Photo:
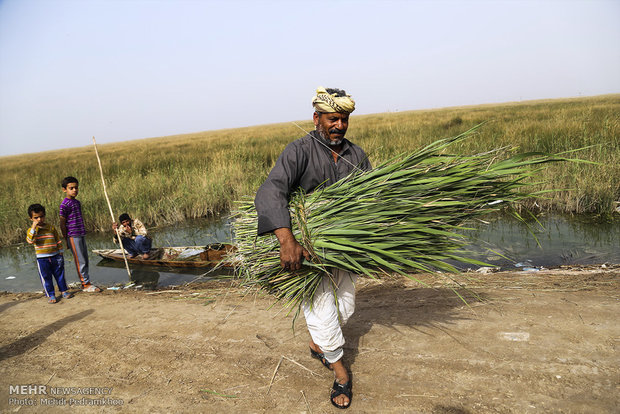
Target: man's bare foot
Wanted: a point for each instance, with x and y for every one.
(145, 256)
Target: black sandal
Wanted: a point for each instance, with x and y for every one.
(342, 389)
(321, 357)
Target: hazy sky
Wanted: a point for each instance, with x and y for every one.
(119, 70)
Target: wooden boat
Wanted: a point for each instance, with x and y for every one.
(185, 256)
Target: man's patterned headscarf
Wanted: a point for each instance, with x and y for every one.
(332, 102)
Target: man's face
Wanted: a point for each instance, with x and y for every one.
(126, 223)
(332, 126)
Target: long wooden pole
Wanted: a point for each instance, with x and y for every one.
(105, 192)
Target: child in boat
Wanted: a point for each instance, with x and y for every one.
(72, 227)
(48, 248)
(133, 235)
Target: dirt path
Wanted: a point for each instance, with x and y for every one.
(543, 342)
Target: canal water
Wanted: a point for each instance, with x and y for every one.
(552, 241)
(18, 270)
(501, 241)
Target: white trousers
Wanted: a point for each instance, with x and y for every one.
(331, 308)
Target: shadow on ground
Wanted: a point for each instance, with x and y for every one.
(39, 336)
(8, 305)
(416, 308)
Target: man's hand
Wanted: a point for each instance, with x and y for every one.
(114, 226)
(291, 252)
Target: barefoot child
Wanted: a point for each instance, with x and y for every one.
(48, 248)
(72, 227)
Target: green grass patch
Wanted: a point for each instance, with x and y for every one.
(202, 174)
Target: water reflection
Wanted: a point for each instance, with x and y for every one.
(549, 241)
(148, 279)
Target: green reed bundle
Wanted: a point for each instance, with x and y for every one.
(397, 218)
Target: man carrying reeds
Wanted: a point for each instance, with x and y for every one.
(320, 158)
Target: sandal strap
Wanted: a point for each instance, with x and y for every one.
(341, 388)
(321, 357)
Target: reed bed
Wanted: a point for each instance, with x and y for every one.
(400, 217)
(198, 175)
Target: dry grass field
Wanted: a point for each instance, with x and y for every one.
(202, 174)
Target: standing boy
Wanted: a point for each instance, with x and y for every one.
(48, 248)
(72, 227)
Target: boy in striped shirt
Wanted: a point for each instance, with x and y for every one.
(48, 248)
(72, 227)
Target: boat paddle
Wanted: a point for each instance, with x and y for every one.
(105, 192)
